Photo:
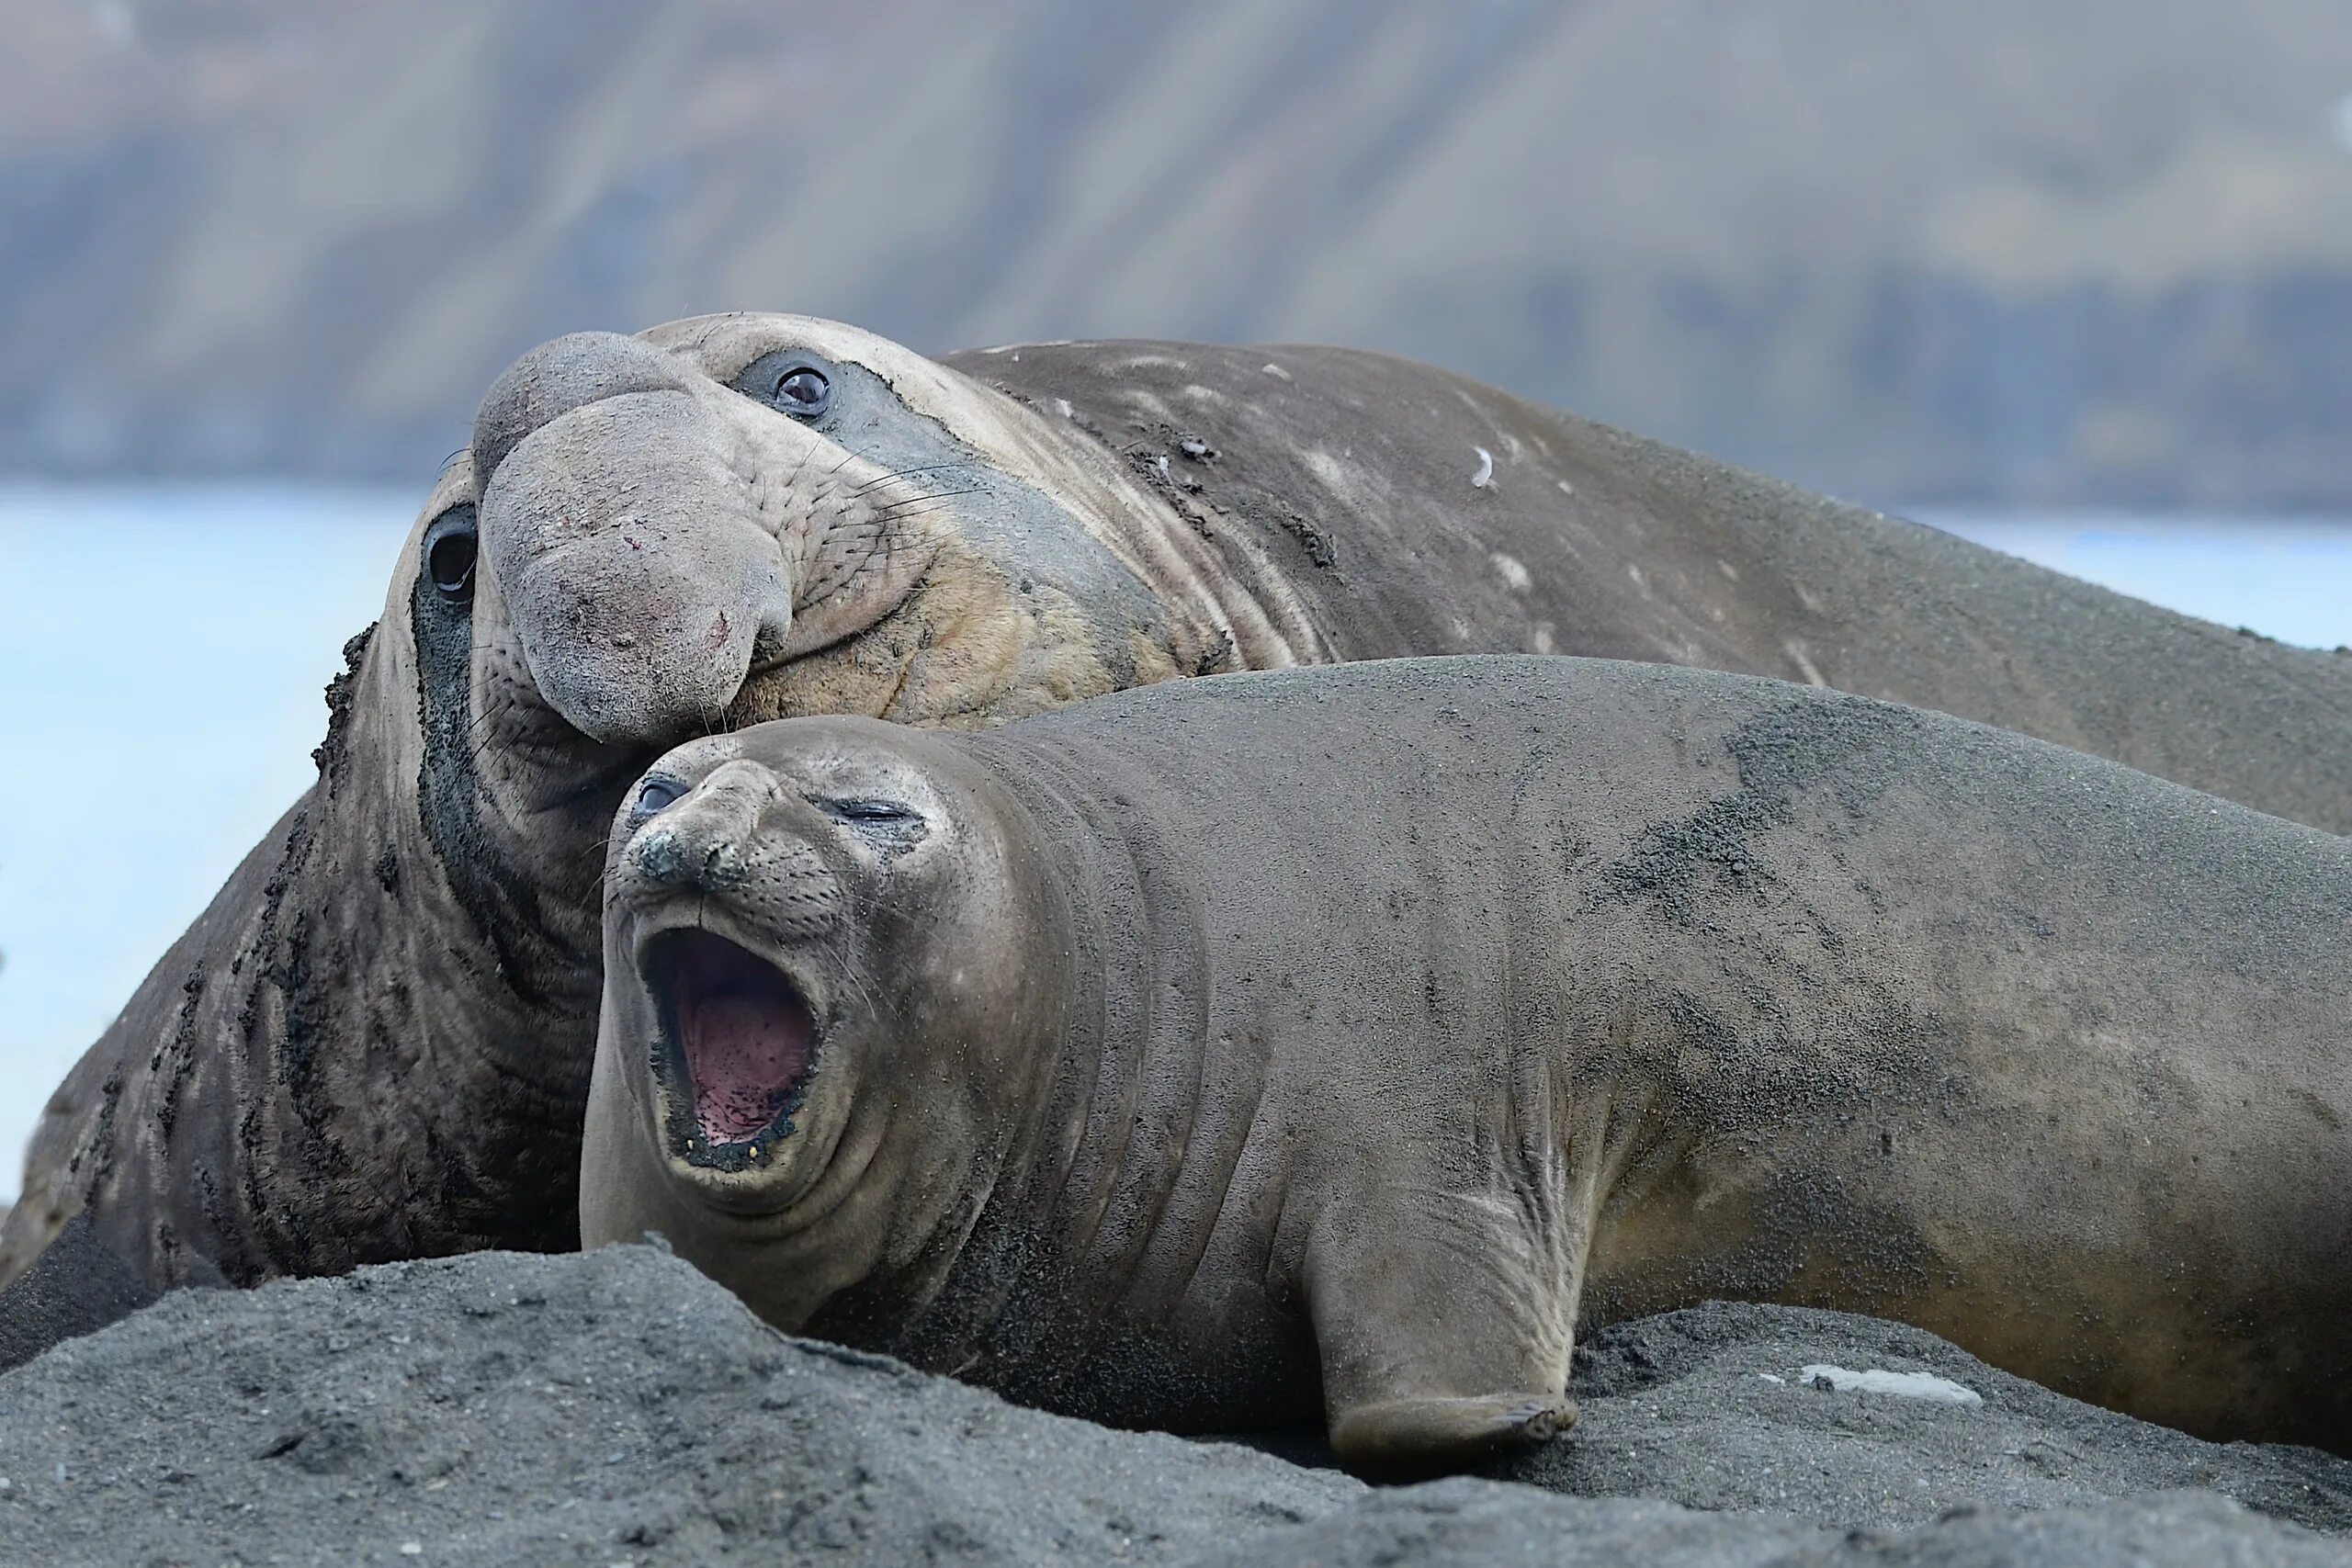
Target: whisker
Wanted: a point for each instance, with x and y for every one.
(927, 468)
(911, 509)
(889, 506)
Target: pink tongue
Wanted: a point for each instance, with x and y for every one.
(744, 1052)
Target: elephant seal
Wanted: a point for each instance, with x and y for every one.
(375, 1044)
(1363, 1031)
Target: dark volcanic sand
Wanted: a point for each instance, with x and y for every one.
(618, 1408)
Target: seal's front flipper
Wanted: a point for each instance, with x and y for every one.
(1440, 1433)
(1435, 1353)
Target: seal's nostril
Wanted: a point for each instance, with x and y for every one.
(657, 855)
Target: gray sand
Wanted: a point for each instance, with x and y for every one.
(616, 1407)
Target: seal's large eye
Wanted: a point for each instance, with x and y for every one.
(450, 548)
(658, 795)
(806, 392)
(798, 383)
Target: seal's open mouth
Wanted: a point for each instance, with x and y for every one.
(738, 1042)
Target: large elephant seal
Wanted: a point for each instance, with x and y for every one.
(375, 1044)
(1172, 1059)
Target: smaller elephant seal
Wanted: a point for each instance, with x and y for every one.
(1352, 1035)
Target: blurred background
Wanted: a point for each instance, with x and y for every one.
(2074, 277)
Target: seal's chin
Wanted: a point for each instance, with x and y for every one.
(738, 1039)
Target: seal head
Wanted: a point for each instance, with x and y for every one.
(816, 993)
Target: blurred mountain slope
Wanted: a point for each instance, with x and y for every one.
(1995, 250)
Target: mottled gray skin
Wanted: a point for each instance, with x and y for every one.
(375, 1044)
(1350, 475)
(1352, 1034)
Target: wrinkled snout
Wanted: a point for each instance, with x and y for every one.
(621, 527)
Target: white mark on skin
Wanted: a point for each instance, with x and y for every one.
(1728, 570)
(1061, 407)
(1805, 665)
(1276, 371)
(1903, 1385)
(1485, 477)
(1326, 470)
(1513, 571)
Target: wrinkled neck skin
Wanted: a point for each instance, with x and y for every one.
(427, 981)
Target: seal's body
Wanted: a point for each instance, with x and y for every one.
(1171, 1059)
(1355, 475)
(375, 1044)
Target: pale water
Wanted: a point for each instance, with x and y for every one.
(163, 654)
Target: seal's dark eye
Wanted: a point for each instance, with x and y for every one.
(655, 795)
(450, 547)
(805, 393)
(791, 379)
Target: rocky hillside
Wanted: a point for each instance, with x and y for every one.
(1953, 249)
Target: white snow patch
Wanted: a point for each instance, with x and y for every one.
(1276, 371)
(1903, 1385)
(1486, 474)
(1514, 572)
(1061, 407)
